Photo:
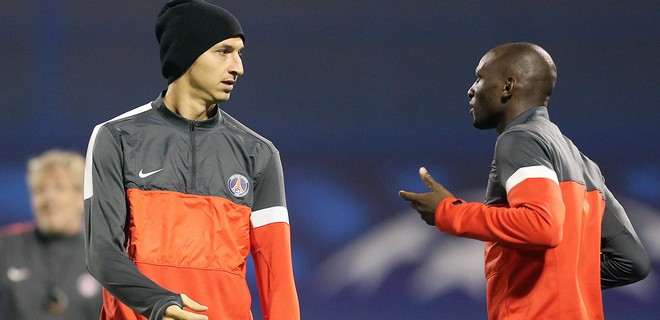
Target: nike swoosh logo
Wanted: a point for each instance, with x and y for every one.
(18, 274)
(144, 175)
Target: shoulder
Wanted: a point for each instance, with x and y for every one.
(116, 125)
(14, 235)
(17, 229)
(520, 147)
(249, 135)
(131, 115)
(518, 137)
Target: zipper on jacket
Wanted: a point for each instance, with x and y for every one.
(194, 156)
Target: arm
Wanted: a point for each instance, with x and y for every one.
(623, 259)
(533, 218)
(271, 245)
(105, 219)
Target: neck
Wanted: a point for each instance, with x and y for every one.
(513, 111)
(54, 235)
(186, 105)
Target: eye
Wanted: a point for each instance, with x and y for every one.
(240, 52)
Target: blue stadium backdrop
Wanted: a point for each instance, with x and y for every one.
(357, 95)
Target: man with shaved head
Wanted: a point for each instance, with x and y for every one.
(555, 235)
(525, 66)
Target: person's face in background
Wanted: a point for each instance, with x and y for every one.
(57, 201)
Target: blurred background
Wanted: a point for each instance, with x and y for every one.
(357, 95)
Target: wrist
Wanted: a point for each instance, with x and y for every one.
(443, 206)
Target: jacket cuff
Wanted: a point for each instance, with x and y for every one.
(158, 312)
(442, 210)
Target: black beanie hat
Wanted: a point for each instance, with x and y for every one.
(187, 28)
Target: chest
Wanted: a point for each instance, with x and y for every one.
(198, 162)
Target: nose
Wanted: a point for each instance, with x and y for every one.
(48, 194)
(470, 92)
(236, 67)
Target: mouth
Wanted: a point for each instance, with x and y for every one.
(229, 84)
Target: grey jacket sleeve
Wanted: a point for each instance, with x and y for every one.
(623, 259)
(269, 189)
(105, 222)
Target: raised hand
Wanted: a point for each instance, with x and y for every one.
(426, 203)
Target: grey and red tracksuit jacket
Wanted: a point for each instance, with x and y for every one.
(175, 206)
(555, 235)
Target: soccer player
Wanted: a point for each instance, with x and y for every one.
(555, 235)
(42, 270)
(178, 193)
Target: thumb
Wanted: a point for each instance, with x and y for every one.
(192, 304)
(428, 179)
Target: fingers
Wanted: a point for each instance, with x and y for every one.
(426, 204)
(192, 304)
(427, 178)
(173, 312)
(408, 196)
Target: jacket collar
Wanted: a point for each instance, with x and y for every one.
(180, 121)
(539, 112)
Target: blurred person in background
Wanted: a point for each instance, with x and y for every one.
(42, 269)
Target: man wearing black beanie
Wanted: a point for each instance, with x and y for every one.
(178, 193)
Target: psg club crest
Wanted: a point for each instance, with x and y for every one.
(238, 185)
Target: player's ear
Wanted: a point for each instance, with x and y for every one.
(507, 89)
